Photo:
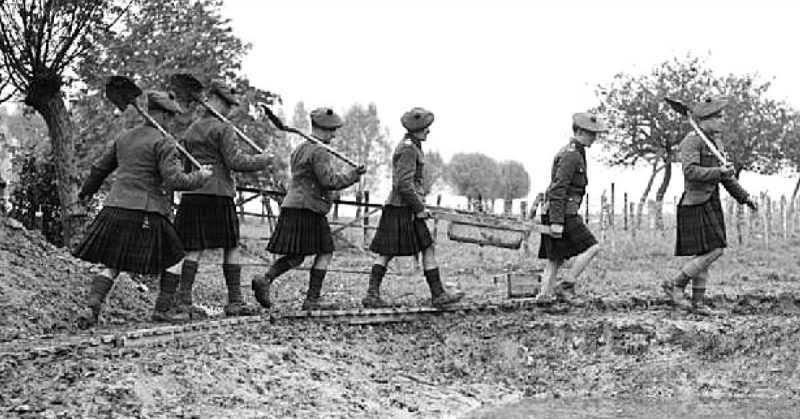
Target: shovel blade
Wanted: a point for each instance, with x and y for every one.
(272, 117)
(677, 106)
(186, 86)
(122, 91)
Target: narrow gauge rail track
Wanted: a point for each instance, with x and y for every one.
(26, 349)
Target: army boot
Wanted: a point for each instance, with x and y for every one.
(261, 285)
(184, 299)
(100, 287)
(313, 300)
(165, 310)
(673, 288)
(699, 306)
(233, 280)
(373, 298)
(440, 297)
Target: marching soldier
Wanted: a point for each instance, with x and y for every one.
(132, 232)
(206, 217)
(402, 230)
(302, 228)
(568, 237)
(701, 226)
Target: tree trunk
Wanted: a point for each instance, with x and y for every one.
(61, 131)
(662, 190)
(646, 192)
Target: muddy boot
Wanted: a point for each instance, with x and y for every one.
(440, 297)
(373, 298)
(673, 288)
(565, 290)
(233, 280)
(165, 309)
(184, 299)
(699, 306)
(100, 287)
(261, 285)
(313, 300)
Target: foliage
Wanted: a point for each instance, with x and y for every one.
(515, 183)
(37, 191)
(363, 139)
(473, 175)
(433, 171)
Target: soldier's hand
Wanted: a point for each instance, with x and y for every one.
(424, 214)
(206, 170)
(556, 230)
(361, 169)
(727, 170)
(751, 204)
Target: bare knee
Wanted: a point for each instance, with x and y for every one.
(294, 261)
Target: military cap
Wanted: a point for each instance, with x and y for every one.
(417, 119)
(221, 89)
(163, 101)
(589, 122)
(326, 118)
(708, 107)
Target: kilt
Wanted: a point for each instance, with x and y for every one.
(700, 228)
(301, 232)
(575, 240)
(207, 222)
(400, 233)
(131, 241)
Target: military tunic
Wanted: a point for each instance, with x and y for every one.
(568, 180)
(206, 217)
(399, 232)
(302, 227)
(700, 219)
(132, 232)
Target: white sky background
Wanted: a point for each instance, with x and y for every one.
(504, 77)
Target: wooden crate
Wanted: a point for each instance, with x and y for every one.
(521, 284)
(484, 235)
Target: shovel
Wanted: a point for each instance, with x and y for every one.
(187, 86)
(122, 92)
(684, 110)
(281, 126)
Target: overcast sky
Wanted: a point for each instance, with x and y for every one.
(504, 77)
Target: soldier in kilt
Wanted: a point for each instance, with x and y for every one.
(206, 217)
(402, 230)
(132, 232)
(568, 237)
(302, 228)
(700, 220)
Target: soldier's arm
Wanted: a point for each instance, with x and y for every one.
(403, 171)
(101, 168)
(567, 164)
(735, 189)
(234, 157)
(171, 169)
(327, 175)
(690, 152)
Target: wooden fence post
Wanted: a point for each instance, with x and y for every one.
(783, 218)
(625, 211)
(633, 224)
(611, 212)
(366, 220)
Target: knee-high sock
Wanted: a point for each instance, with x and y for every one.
(233, 280)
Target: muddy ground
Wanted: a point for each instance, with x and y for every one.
(614, 347)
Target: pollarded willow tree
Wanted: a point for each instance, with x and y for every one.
(40, 42)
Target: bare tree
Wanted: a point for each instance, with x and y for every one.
(40, 42)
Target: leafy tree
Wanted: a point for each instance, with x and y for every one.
(40, 42)
(514, 180)
(363, 139)
(474, 175)
(432, 171)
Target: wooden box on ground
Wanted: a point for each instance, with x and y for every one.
(521, 284)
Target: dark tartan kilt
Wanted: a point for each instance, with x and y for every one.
(574, 241)
(299, 232)
(400, 233)
(701, 228)
(207, 222)
(131, 241)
